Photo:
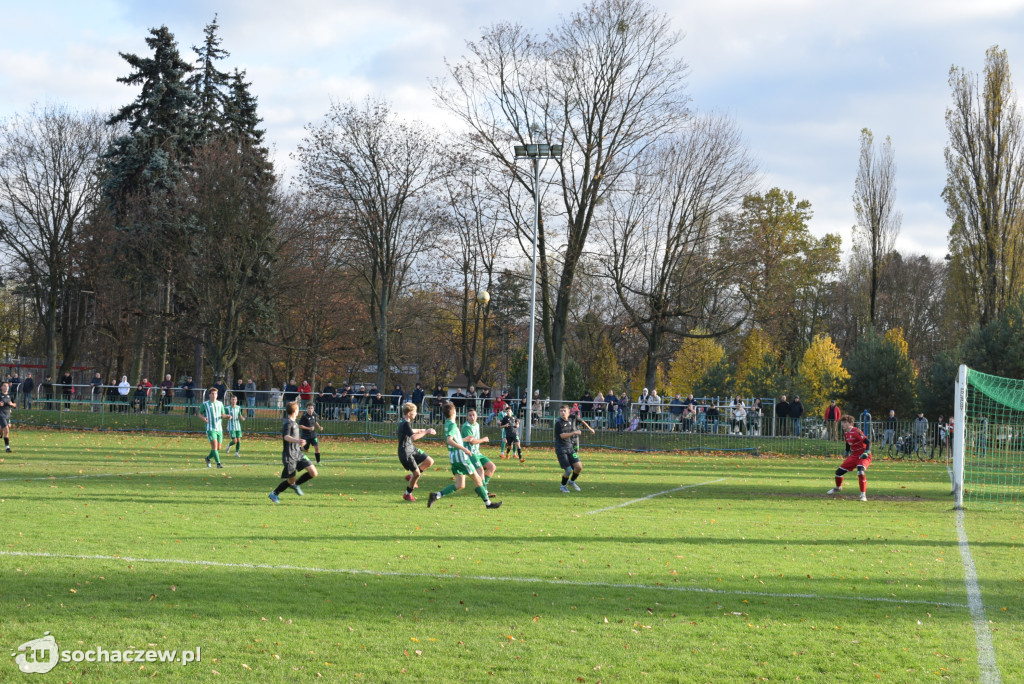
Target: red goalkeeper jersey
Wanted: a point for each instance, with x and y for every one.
(857, 442)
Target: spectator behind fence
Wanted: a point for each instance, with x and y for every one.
(643, 404)
(739, 416)
(239, 391)
(417, 398)
(940, 437)
(250, 396)
(124, 388)
(675, 410)
(188, 394)
(865, 423)
(832, 416)
(782, 417)
(222, 389)
(920, 430)
(27, 385)
(67, 388)
(305, 391)
(891, 425)
(166, 394)
(655, 403)
(796, 414)
(754, 414)
(47, 388)
(112, 396)
(291, 391)
(714, 417)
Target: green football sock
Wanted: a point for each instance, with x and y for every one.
(482, 493)
(238, 446)
(215, 455)
(447, 491)
(487, 480)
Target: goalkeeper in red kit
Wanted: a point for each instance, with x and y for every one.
(858, 457)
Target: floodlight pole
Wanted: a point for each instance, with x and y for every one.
(534, 152)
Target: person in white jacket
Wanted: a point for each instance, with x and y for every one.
(124, 388)
(739, 415)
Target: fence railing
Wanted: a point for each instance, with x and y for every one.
(710, 428)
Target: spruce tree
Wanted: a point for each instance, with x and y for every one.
(210, 85)
(160, 127)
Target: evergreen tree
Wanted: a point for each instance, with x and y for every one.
(882, 376)
(210, 85)
(160, 127)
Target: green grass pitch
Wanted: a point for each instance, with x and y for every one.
(665, 568)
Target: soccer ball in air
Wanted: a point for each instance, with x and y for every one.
(483, 297)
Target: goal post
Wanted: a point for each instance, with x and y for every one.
(959, 428)
(988, 439)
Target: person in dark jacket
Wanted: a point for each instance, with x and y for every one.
(27, 385)
(796, 415)
(782, 417)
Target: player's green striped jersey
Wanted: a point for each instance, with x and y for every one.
(213, 410)
(234, 423)
(451, 429)
(472, 430)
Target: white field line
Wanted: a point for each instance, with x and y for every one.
(173, 470)
(651, 496)
(986, 652)
(480, 578)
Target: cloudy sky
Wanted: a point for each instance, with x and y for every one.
(802, 77)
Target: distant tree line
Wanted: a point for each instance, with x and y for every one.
(159, 239)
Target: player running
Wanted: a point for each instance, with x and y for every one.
(233, 414)
(6, 404)
(412, 459)
(858, 455)
(292, 458)
(308, 427)
(212, 412)
(510, 431)
(462, 462)
(471, 436)
(567, 446)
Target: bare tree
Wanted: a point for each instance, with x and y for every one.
(375, 174)
(48, 188)
(985, 188)
(874, 199)
(605, 85)
(479, 226)
(669, 249)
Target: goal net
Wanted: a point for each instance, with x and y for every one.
(988, 439)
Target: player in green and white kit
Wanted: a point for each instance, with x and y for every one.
(462, 461)
(233, 414)
(212, 412)
(471, 436)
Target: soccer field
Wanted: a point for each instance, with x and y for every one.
(665, 568)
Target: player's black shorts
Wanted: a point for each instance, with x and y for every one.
(567, 458)
(511, 437)
(4, 421)
(293, 466)
(311, 441)
(413, 463)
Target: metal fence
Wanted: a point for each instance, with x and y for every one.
(711, 426)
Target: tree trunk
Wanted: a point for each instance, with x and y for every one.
(383, 363)
(138, 350)
(197, 365)
(655, 342)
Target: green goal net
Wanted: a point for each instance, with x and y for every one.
(988, 439)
